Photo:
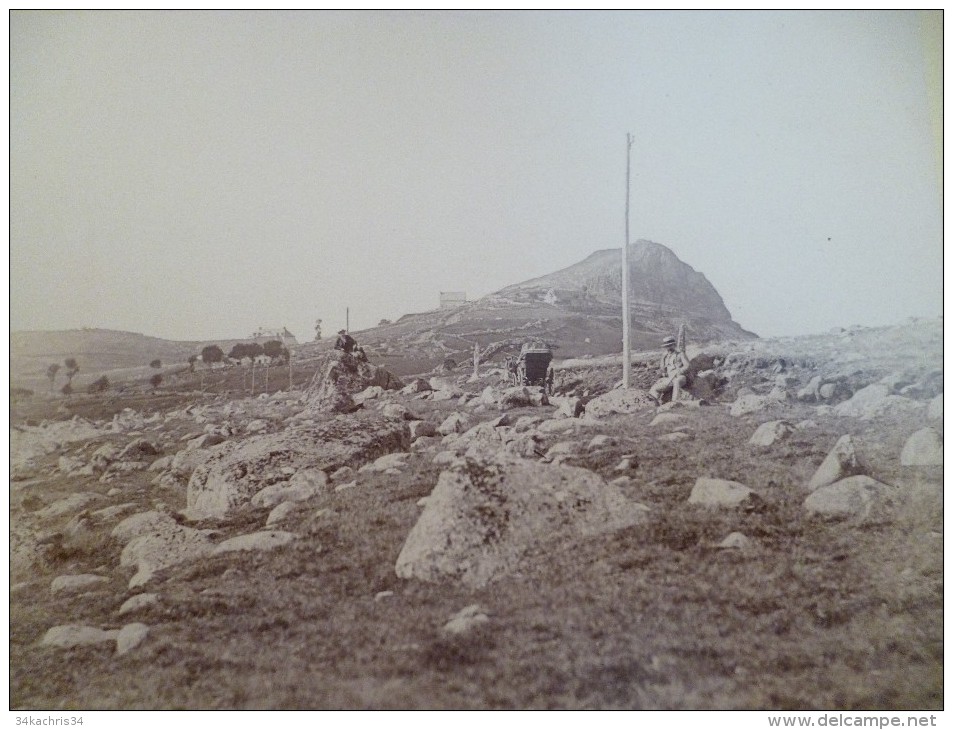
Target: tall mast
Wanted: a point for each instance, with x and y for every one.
(626, 356)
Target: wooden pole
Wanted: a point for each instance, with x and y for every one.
(626, 348)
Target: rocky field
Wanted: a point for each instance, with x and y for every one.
(449, 542)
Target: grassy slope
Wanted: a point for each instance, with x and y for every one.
(818, 615)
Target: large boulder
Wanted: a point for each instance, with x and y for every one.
(857, 497)
(923, 448)
(619, 400)
(842, 461)
(231, 478)
(487, 512)
(874, 401)
(340, 378)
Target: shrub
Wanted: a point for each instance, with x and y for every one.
(156, 380)
(99, 386)
(212, 353)
(246, 349)
(157, 363)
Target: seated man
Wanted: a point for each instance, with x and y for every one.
(344, 342)
(673, 369)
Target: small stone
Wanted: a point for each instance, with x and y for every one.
(129, 637)
(466, 620)
(69, 635)
(676, 436)
(735, 541)
(69, 584)
(709, 492)
(280, 513)
(265, 540)
(770, 432)
(139, 602)
(923, 448)
(383, 594)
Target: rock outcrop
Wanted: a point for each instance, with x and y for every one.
(228, 479)
(487, 512)
(341, 378)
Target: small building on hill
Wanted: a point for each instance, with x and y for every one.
(267, 334)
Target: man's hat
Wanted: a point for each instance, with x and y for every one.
(342, 332)
(668, 340)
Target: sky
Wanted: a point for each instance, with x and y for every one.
(197, 175)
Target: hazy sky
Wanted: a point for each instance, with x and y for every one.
(194, 175)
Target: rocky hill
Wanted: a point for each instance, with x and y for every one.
(577, 310)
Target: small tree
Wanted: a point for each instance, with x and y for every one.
(157, 363)
(67, 389)
(71, 369)
(51, 372)
(156, 380)
(384, 322)
(212, 354)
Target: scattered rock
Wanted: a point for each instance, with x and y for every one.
(280, 513)
(854, 497)
(465, 620)
(69, 635)
(265, 540)
(676, 436)
(810, 392)
(875, 401)
(342, 474)
(420, 429)
(305, 484)
(135, 450)
(397, 412)
(747, 404)
(417, 385)
(668, 419)
(70, 584)
(735, 541)
(709, 492)
(770, 432)
(619, 400)
(72, 503)
(129, 637)
(842, 461)
(454, 423)
(383, 594)
(162, 547)
(923, 448)
(397, 460)
(139, 602)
